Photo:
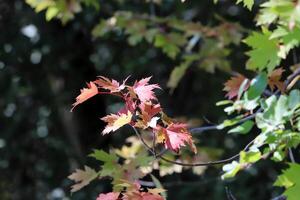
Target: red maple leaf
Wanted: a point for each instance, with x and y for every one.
(233, 85)
(109, 196)
(148, 111)
(85, 94)
(111, 85)
(130, 105)
(144, 90)
(274, 80)
(176, 136)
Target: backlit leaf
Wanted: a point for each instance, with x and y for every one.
(264, 53)
(144, 90)
(114, 122)
(85, 94)
(291, 181)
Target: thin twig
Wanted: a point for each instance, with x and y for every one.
(227, 160)
(152, 9)
(198, 130)
(143, 141)
(229, 194)
(291, 155)
(154, 143)
(188, 164)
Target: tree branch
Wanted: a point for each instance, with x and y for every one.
(201, 129)
(160, 156)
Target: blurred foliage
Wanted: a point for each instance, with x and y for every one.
(43, 64)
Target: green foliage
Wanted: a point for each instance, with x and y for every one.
(291, 181)
(257, 87)
(247, 3)
(264, 51)
(181, 38)
(288, 39)
(169, 43)
(283, 12)
(64, 10)
(243, 128)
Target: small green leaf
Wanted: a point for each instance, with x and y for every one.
(51, 13)
(250, 157)
(224, 102)
(294, 99)
(243, 128)
(257, 86)
(229, 122)
(231, 169)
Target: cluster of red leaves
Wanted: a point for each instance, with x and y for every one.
(134, 192)
(141, 110)
(233, 85)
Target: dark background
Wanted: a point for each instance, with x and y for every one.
(43, 65)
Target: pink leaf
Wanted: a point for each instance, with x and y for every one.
(85, 94)
(144, 91)
(109, 196)
(176, 136)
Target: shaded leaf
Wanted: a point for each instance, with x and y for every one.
(82, 178)
(232, 86)
(274, 80)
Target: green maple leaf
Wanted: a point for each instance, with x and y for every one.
(247, 3)
(264, 53)
(290, 179)
(289, 39)
(104, 157)
(283, 12)
(110, 166)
